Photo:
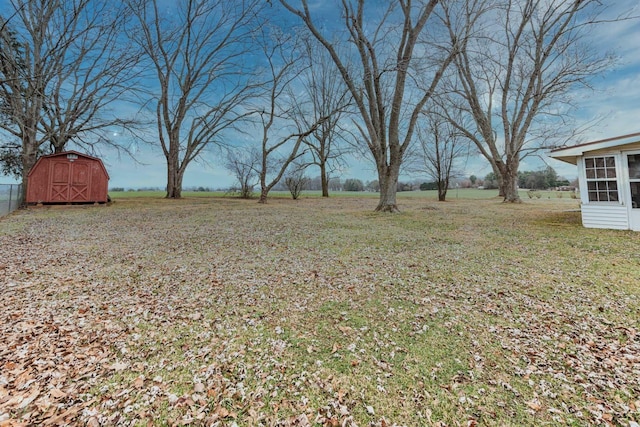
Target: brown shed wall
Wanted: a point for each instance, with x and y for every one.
(68, 177)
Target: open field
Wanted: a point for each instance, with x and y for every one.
(452, 194)
(219, 311)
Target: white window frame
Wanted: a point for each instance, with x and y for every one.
(604, 177)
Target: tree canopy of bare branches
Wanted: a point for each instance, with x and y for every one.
(329, 97)
(395, 69)
(63, 69)
(244, 165)
(441, 148)
(198, 52)
(519, 62)
(279, 109)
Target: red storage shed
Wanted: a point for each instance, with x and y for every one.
(68, 177)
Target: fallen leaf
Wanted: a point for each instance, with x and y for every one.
(345, 329)
(139, 382)
(119, 366)
(534, 404)
(34, 394)
(56, 393)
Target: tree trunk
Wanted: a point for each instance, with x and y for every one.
(324, 180)
(29, 158)
(509, 186)
(58, 144)
(264, 190)
(263, 195)
(174, 179)
(388, 189)
(499, 171)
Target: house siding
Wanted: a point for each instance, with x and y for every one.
(600, 216)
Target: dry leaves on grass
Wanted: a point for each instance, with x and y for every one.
(311, 314)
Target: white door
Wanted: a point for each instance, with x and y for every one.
(633, 194)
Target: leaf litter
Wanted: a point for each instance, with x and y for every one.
(221, 312)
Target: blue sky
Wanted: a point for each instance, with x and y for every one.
(616, 95)
(615, 99)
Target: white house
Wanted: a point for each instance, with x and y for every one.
(609, 176)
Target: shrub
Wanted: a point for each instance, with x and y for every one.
(373, 185)
(245, 192)
(295, 183)
(428, 186)
(353, 185)
(404, 186)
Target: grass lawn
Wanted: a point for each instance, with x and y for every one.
(453, 194)
(220, 311)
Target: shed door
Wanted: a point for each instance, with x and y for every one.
(70, 181)
(633, 165)
(79, 189)
(60, 174)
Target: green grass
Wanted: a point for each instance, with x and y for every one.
(452, 194)
(507, 315)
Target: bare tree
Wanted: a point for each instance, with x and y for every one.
(397, 70)
(62, 79)
(244, 165)
(198, 52)
(296, 181)
(329, 97)
(279, 111)
(11, 55)
(519, 62)
(441, 145)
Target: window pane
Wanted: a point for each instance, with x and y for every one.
(633, 161)
(635, 195)
(601, 173)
